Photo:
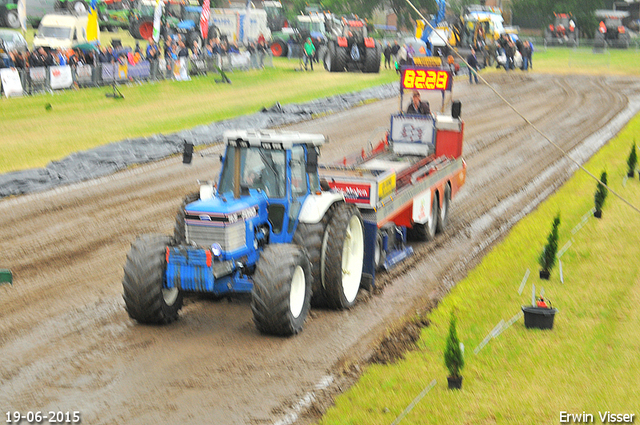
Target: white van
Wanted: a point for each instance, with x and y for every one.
(58, 31)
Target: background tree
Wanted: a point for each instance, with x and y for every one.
(548, 257)
(453, 357)
(632, 161)
(601, 194)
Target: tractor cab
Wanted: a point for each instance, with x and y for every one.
(265, 179)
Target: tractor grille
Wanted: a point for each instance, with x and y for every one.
(230, 237)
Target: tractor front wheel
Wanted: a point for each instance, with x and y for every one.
(281, 294)
(145, 297)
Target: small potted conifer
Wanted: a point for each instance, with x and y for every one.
(632, 161)
(547, 258)
(601, 195)
(454, 356)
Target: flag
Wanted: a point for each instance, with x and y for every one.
(157, 15)
(22, 15)
(92, 25)
(204, 19)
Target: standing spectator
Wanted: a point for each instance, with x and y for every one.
(472, 60)
(511, 53)
(387, 55)
(152, 50)
(531, 50)
(196, 51)
(261, 50)
(410, 54)
(395, 49)
(183, 52)
(61, 58)
(526, 54)
(309, 51)
(290, 43)
(316, 47)
(401, 57)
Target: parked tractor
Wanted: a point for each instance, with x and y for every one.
(294, 233)
(350, 48)
(563, 31)
(611, 32)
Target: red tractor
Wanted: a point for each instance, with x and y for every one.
(563, 31)
(350, 48)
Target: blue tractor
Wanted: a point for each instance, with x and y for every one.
(189, 26)
(267, 229)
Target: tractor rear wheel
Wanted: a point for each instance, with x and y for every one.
(134, 30)
(11, 19)
(443, 216)
(278, 48)
(78, 6)
(426, 231)
(145, 297)
(146, 30)
(341, 58)
(281, 294)
(311, 237)
(372, 59)
(179, 237)
(343, 256)
(329, 59)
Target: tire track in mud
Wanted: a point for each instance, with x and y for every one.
(70, 344)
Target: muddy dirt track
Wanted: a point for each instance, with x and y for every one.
(67, 344)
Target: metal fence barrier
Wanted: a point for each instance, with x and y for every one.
(39, 80)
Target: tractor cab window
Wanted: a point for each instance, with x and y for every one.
(298, 172)
(259, 169)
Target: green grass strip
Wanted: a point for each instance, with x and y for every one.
(31, 134)
(587, 363)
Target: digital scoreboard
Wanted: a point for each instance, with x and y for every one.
(413, 78)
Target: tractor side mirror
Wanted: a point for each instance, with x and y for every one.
(187, 153)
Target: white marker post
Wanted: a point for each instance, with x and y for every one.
(524, 281)
(561, 276)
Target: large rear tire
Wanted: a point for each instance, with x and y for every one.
(11, 19)
(311, 237)
(343, 257)
(281, 294)
(78, 6)
(372, 59)
(134, 30)
(427, 231)
(146, 30)
(279, 48)
(145, 298)
(443, 216)
(341, 58)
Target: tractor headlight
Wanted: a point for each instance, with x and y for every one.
(216, 249)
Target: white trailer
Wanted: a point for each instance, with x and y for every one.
(241, 25)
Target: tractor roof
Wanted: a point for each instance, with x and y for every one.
(284, 138)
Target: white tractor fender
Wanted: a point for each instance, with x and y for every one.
(316, 206)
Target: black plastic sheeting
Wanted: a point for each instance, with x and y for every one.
(108, 159)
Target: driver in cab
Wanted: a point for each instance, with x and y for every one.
(417, 107)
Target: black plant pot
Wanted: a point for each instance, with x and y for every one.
(538, 317)
(545, 274)
(454, 382)
(597, 213)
